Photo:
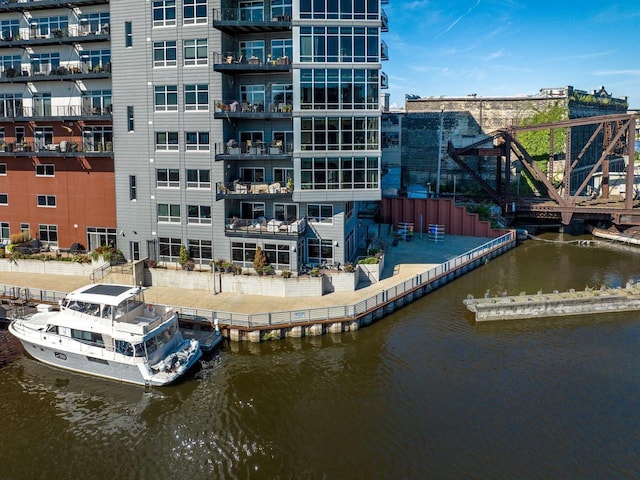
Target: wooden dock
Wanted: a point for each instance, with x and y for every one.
(540, 305)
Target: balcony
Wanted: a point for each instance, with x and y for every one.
(273, 228)
(249, 150)
(249, 20)
(236, 62)
(28, 5)
(385, 21)
(253, 190)
(384, 51)
(70, 112)
(384, 81)
(71, 35)
(65, 148)
(48, 73)
(251, 111)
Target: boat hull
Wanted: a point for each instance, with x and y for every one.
(109, 368)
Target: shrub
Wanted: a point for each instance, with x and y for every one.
(369, 261)
(260, 261)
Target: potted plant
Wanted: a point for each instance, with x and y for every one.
(290, 184)
(286, 274)
(348, 267)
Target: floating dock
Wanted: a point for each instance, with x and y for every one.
(605, 300)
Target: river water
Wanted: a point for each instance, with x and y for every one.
(423, 393)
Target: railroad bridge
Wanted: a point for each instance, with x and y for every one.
(585, 186)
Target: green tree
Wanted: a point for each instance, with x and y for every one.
(260, 262)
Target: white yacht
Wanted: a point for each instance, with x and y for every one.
(109, 331)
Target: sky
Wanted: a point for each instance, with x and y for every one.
(511, 47)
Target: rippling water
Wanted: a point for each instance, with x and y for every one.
(424, 393)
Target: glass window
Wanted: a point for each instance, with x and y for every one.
(130, 119)
(165, 53)
(195, 52)
(254, 48)
(347, 173)
(166, 98)
(4, 199)
(198, 141)
(48, 234)
(164, 13)
(168, 212)
(319, 250)
(128, 34)
(320, 213)
(133, 188)
(196, 97)
(167, 178)
(45, 170)
(195, 11)
(199, 214)
(200, 250)
(252, 11)
(166, 141)
(199, 179)
(169, 249)
(46, 200)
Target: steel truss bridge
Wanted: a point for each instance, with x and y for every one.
(614, 133)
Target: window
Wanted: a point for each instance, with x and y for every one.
(166, 98)
(133, 188)
(4, 199)
(281, 9)
(348, 209)
(168, 212)
(195, 52)
(3, 169)
(130, 122)
(200, 250)
(319, 250)
(199, 179)
(282, 48)
(197, 141)
(252, 174)
(4, 232)
(11, 103)
(41, 104)
(320, 213)
(96, 102)
(167, 178)
(282, 175)
(254, 48)
(48, 234)
(95, 60)
(9, 29)
(42, 136)
(169, 248)
(46, 200)
(281, 94)
(45, 170)
(252, 11)
(164, 13)
(128, 34)
(252, 210)
(339, 89)
(339, 133)
(165, 54)
(97, 139)
(25, 228)
(345, 9)
(277, 255)
(347, 173)
(252, 94)
(285, 212)
(167, 141)
(46, 27)
(243, 252)
(94, 23)
(196, 97)
(339, 44)
(195, 11)
(199, 214)
(44, 63)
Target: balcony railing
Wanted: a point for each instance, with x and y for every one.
(250, 20)
(384, 80)
(251, 188)
(43, 72)
(240, 63)
(64, 147)
(235, 108)
(385, 21)
(72, 32)
(384, 51)
(66, 111)
(262, 227)
(250, 148)
(19, 5)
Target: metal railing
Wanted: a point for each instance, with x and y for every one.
(276, 147)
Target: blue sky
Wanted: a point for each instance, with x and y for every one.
(511, 47)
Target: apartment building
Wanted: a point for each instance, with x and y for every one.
(57, 176)
(245, 124)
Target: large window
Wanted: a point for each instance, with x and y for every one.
(252, 210)
(165, 53)
(166, 141)
(252, 11)
(95, 60)
(10, 104)
(94, 23)
(339, 89)
(200, 250)
(339, 133)
(197, 141)
(243, 253)
(167, 178)
(48, 234)
(42, 136)
(44, 63)
(164, 13)
(281, 94)
(319, 251)
(252, 95)
(46, 200)
(9, 29)
(254, 48)
(49, 26)
(281, 9)
(168, 212)
(285, 212)
(194, 11)
(339, 44)
(199, 214)
(196, 97)
(347, 173)
(166, 98)
(282, 48)
(320, 213)
(344, 9)
(199, 179)
(96, 102)
(252, 174)
(278, 255)
(97, 139)
(169, 248)
(195, 52)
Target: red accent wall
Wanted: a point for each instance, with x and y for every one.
(84, 189)
(441, 211)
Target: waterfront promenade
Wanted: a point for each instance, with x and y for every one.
(402, 262)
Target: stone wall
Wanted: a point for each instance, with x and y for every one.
(51, 267)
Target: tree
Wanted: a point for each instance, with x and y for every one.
(260, 262)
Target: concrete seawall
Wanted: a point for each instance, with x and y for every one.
(555, 304)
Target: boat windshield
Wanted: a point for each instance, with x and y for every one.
(126, 348)
(82, 307)
(162, 338)
(128, 305)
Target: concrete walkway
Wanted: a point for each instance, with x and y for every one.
(402, 262)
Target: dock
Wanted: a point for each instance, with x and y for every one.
(543, 305)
